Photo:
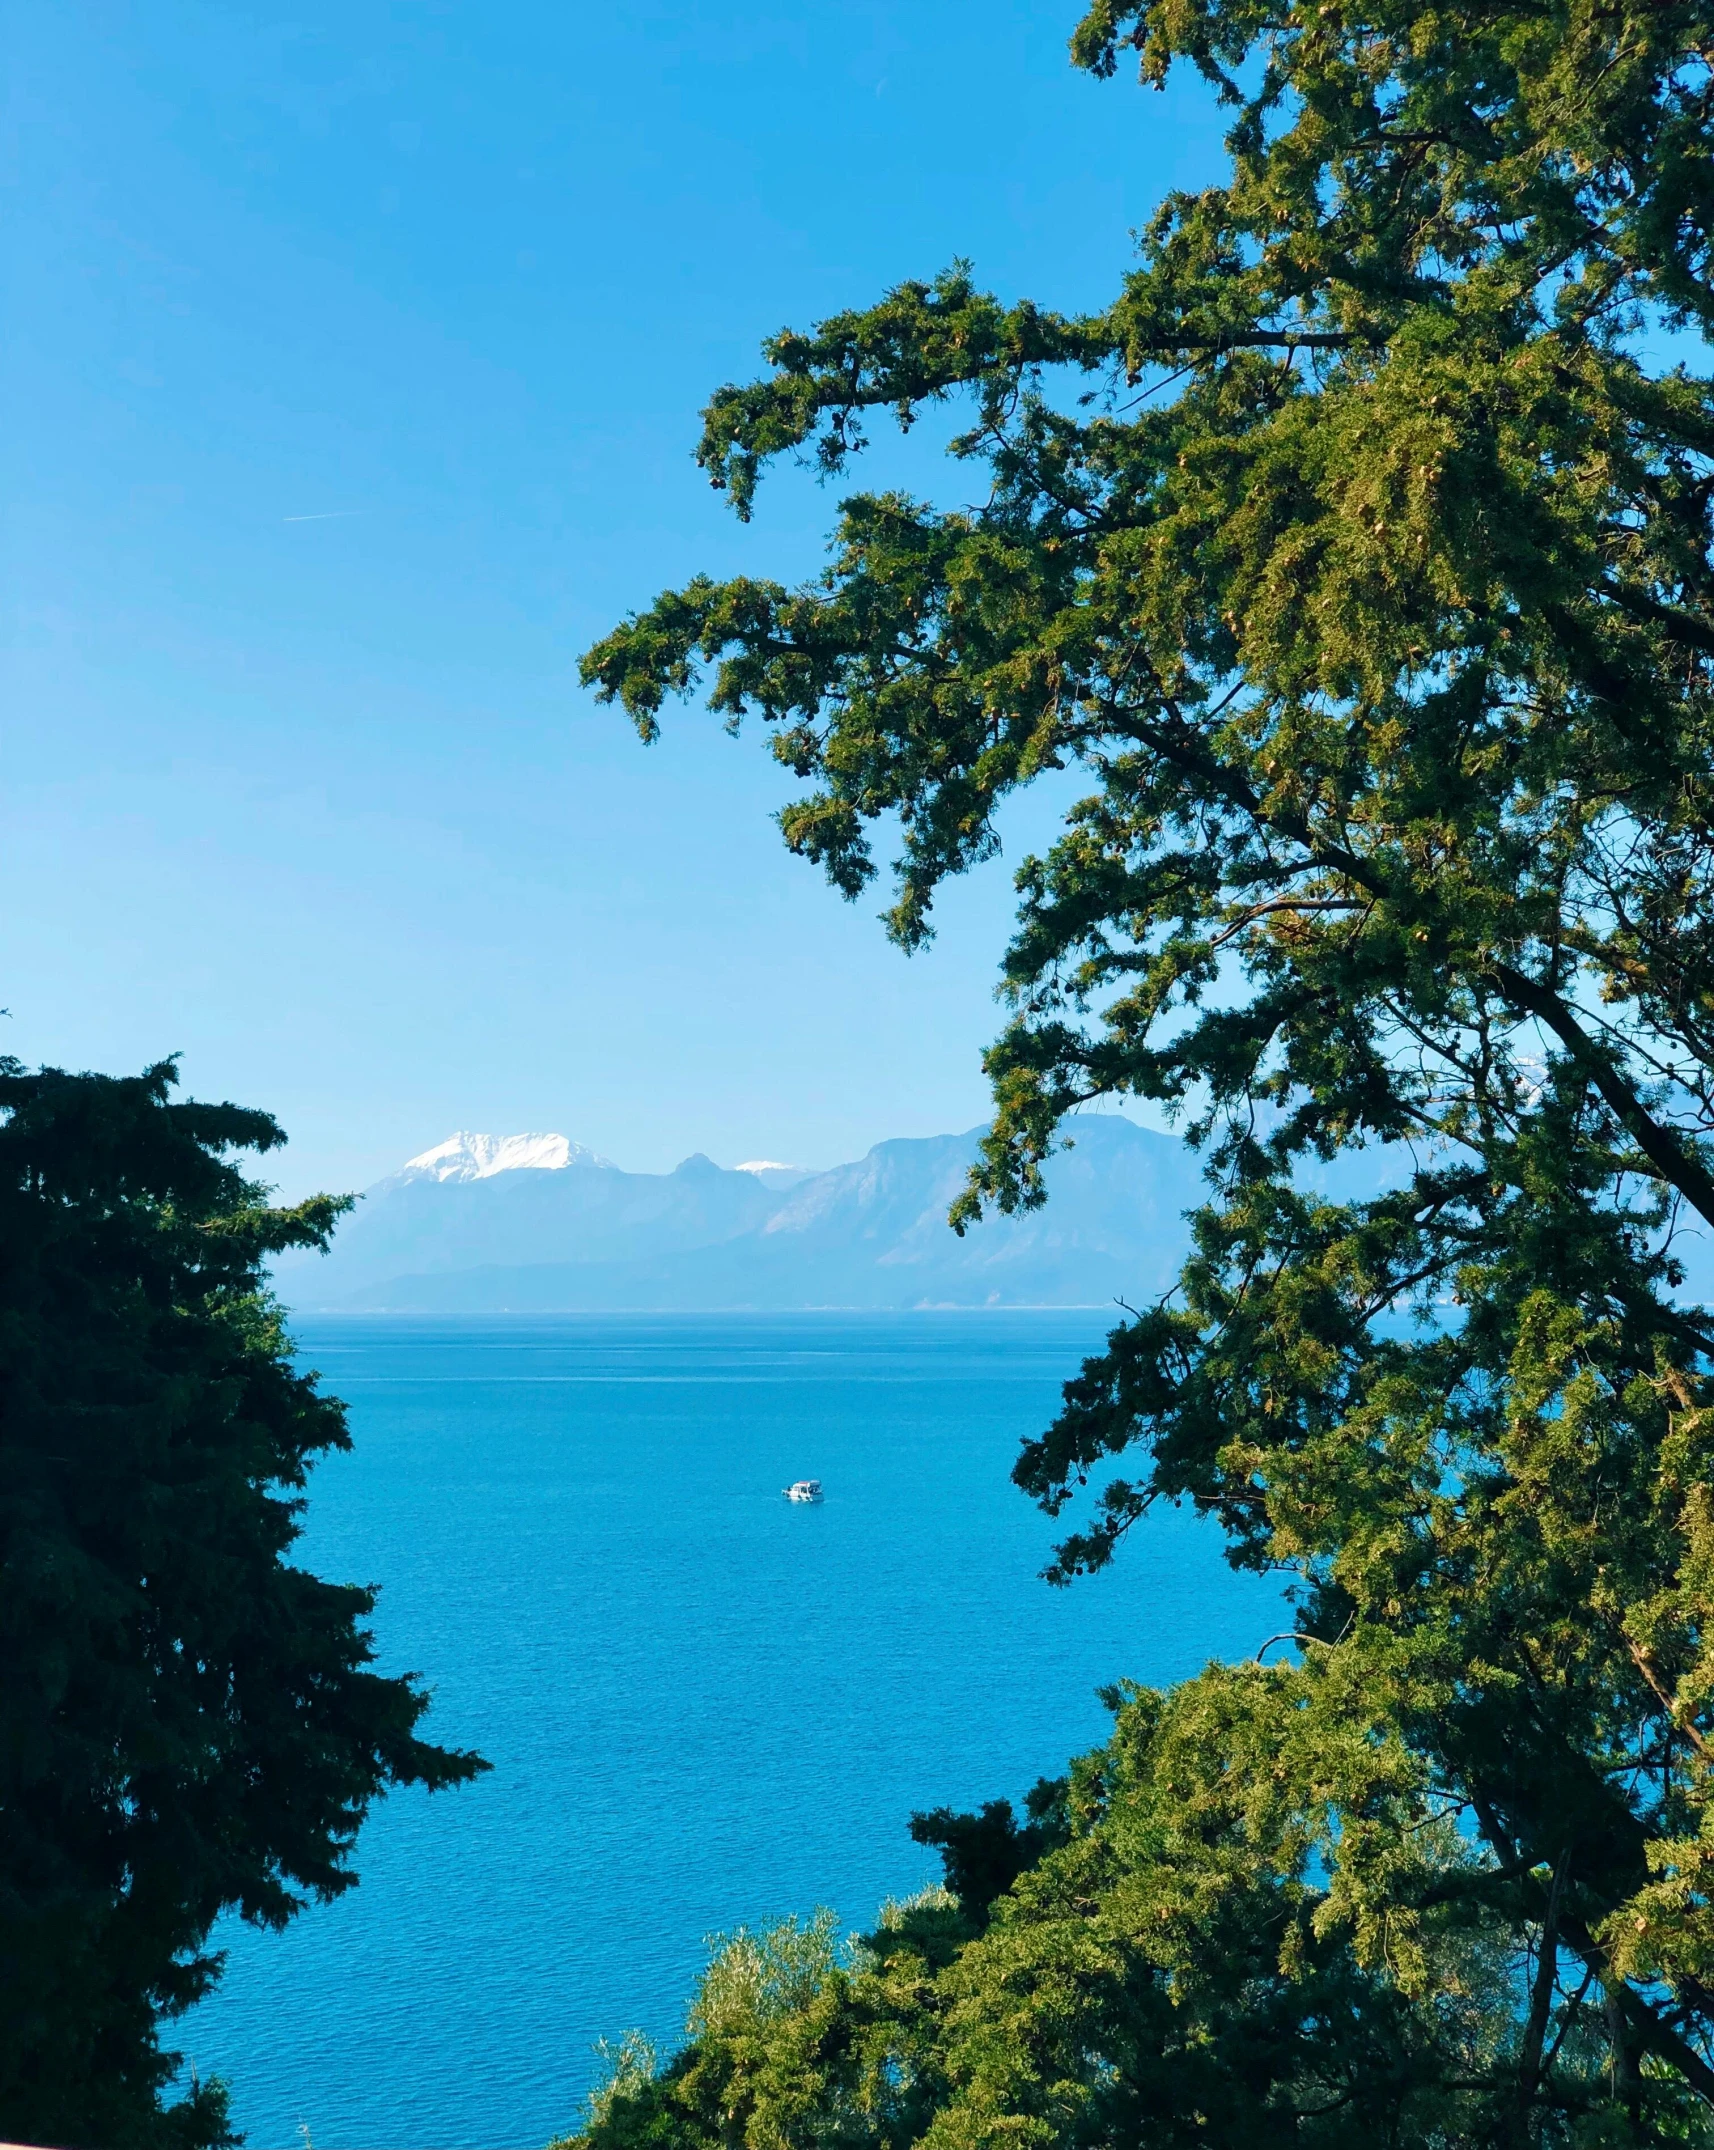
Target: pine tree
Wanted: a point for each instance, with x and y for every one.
(188, 1721)
(1358, 554)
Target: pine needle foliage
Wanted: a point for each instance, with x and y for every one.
(1358, 555)
(189, 1721)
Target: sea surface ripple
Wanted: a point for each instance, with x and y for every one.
(705, 1706)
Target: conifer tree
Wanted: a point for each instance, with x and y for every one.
(189, 1724)
(1358, 556)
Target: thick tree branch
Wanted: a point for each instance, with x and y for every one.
(1655, 2036)
(1677, 1165)
(1680, 626)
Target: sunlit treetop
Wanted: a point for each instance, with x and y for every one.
(1369, 577)
(1358, 554)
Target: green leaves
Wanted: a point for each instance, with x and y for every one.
(191, 1721)
(1363, 566)
(922, 341)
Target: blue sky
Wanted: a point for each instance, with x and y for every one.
(352, 369)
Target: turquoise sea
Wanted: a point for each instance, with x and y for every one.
(705, 1706)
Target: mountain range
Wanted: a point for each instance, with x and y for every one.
(540, 1224)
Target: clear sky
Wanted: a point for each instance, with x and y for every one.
(353, 356)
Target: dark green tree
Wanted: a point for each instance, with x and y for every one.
(188, 1721)
(1359, 555)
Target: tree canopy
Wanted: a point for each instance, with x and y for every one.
(188, 1721)
(1358, 554)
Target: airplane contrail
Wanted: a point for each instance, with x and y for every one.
(332, 515)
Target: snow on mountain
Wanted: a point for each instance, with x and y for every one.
(478, 1157)
(769, 1172)
(483, 1224)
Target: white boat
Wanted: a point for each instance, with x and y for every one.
(804, 1489)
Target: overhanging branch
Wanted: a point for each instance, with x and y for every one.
(1677, 1165)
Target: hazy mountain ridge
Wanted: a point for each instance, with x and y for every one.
(546, 1236)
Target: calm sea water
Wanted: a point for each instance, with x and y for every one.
(704, 1706)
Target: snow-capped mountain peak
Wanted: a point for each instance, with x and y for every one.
(769, 1172)
(467, 1156)
(484, 1224)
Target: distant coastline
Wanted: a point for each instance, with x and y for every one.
(537, 1224)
